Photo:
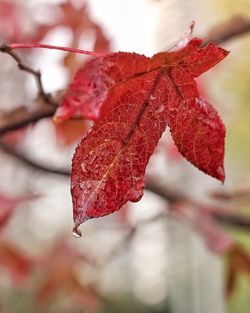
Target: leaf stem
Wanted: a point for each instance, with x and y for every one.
(44, 46)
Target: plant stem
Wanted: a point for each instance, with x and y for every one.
(44, 46)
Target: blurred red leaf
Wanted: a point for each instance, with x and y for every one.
(78, 20)
(15, 137)
(11, 14)
(71, 131)
(201, 218)
(9, 204)
(15, 261)
(215, 237)
(138, 97)
(60, 269)
(13, 17)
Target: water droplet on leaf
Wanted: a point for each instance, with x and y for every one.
(76, 232)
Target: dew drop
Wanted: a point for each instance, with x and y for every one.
(76, 232)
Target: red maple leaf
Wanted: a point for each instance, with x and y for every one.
(133, 98)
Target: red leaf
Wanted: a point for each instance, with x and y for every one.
(70, 131)
(10, 20)
(18, 264)
(59, 273)
(78, 20)
(9, 204)
(93, 82)
(13, 18)
(139, 97)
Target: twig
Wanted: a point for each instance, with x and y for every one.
(31, 163)
(23, 116)
(36, 73)
(44, 46)
(234, 27)
(233, 220)
(235, 195)
(165, 192)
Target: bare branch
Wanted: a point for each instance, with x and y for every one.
(165, 192)
(36, 73)
(234, 220)
(234, 27)
(31, 163)
(23, 116)
(234, 195)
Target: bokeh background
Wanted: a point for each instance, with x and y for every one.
(144, 258)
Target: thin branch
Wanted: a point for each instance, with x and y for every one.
(36, 73)
(165, 192)
(234, 195)
(234, 220)
(24, 116)
(10, 150)
(228, 219)
(44, 46)
(236, 26)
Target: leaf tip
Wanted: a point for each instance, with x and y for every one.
(220, 174)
